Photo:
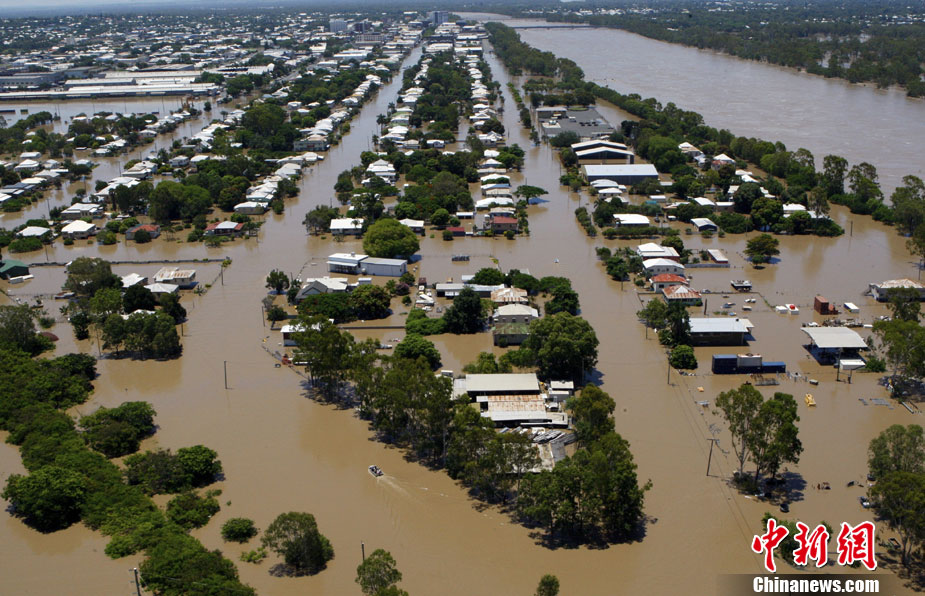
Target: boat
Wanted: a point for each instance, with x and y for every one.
(728, 304)
(810, 401)
(741, 285)
(376, 471)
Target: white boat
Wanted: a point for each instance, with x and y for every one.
(376, 471)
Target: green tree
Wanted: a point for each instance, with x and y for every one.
(678, 325)
(833, 174)
(80, 320)
(900, 500)
(549, 586)
(200, 464)
(377, 573)
(591, 414)
(905, 304)
(488, 276)
(761, 248)
(48, 499)
(370, 302)
(682, 357)
(904, 342)
(414, 346)
(565, 346)
(654, 314)
(745, 195)
(138, 297)
(105, 302)
(466, 313)
(238, 529)
(277, 281)
(189, 510)
(564, 300)
(113, 332)
(295, 537)
(85, 276)
(909, 204)
(170, 306)
(178, 565)
(389, 239)
(115, 432)
(772, 438)
(916, 244)
(897, 449)
(326, 352)
(440, 217)
(17, 330)
(528, 193)
(740, 408)
(486, 364)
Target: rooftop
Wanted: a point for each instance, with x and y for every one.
(502, 383)
(835, 338)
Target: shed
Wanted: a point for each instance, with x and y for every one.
(12, 268)
(622, 173)
(387, 267)
(719, 331)
(340, 262)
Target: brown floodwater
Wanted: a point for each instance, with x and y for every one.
(750, 98)
(282, 451)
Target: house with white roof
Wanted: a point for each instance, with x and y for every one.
(347, 226)
(78, 229)
(651, 250)
(622, 220)
(659, 266)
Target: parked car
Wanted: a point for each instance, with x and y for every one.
(865, 502)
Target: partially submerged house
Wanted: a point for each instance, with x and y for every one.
(683, 294)
(507, 399)
(321, 285)
(12, 268)
(881, 291)
(78, 229)
(719, 331)
(183, 278)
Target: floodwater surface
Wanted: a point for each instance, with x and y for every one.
(282, 451)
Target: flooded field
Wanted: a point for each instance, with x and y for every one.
(281, 451)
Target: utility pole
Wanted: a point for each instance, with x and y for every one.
(363, 550)
(137, 583)
(710, 459)
(225, 363)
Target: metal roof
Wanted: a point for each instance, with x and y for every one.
(835, 338)
(502, 383)
(720, 325)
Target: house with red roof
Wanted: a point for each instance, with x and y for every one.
(665, 280)
(683, 294)
(501, 224)
(153, 230)
(224, 228)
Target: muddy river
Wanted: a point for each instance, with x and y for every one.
(281, 451)
(826, 116)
